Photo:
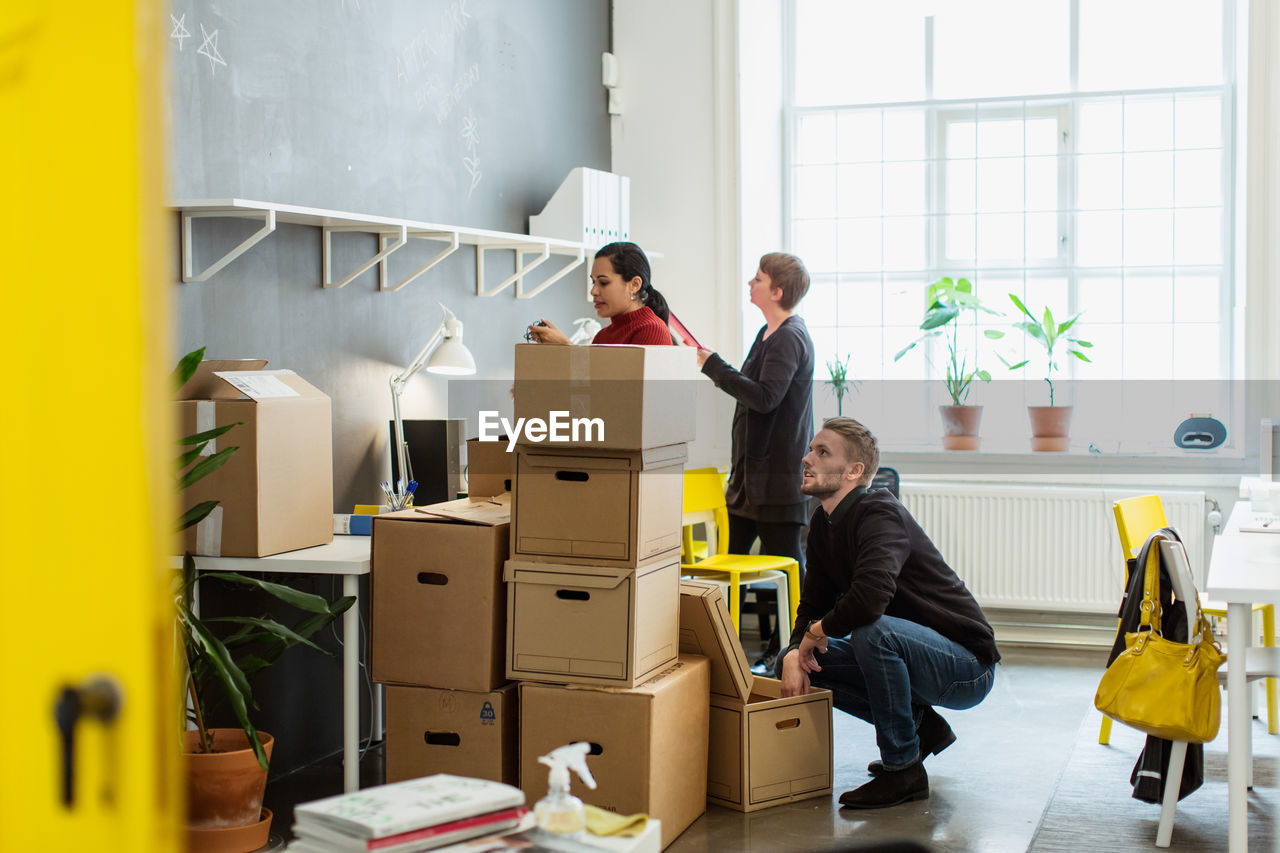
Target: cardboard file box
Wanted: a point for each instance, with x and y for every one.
(439, 602)
(490, 468)
(643, 396)
(764, 749)
(452, 731)
(592, 624)
(276, 492)
(597, 508)
(649, 743)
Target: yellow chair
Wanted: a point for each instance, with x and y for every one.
(1136, 519)
(704, 504)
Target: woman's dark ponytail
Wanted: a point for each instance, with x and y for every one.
(629, 261)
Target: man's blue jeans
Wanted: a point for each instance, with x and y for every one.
(880, 670)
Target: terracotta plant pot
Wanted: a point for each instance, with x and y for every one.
(1050, 426)
(225, 787)
(960, 427)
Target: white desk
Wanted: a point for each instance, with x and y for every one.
(1244, 568)
(347, 556)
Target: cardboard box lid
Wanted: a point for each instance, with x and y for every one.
(604, 362)
(489, 511)
(707, 629)
(556, 574)
(246, 380)
(551, 456)
(682, 667)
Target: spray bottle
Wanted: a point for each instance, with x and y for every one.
(559, 811)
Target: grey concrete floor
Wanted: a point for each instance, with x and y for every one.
(987, 791)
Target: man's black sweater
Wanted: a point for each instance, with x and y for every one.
(870, 558)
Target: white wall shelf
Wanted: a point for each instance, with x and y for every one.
(392, 235)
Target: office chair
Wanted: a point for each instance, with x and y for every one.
(886, 478)
(1136, 519)
(704, 504)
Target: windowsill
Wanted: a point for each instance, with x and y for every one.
(1101, 450)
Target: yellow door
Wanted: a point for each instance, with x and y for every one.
(86, 502)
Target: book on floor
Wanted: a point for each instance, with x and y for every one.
(402, 807)
(319, 837)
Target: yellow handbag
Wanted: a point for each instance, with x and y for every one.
(1160, 687)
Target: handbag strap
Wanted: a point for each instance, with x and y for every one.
(1150, 615)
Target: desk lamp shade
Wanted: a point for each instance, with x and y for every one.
(452, 358)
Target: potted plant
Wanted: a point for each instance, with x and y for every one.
(841, 384)
(1051, 424)
(227, 768)
(944, 302)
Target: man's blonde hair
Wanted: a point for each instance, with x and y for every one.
(861, 443)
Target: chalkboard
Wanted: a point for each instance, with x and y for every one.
(462, 112)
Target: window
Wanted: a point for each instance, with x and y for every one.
(1076, 153)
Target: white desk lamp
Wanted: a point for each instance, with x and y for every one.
(451, 359)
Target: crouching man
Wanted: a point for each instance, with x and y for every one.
(883, 622)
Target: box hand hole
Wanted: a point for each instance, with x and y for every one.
(442, 738)
(432, 578)
(573, 476)
(793, 723)
(573, 594)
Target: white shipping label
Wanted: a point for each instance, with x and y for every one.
(256, 384)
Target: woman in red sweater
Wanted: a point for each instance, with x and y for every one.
(621, 291)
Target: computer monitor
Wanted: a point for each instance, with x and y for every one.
(1269, 450)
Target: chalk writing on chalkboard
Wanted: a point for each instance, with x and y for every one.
(471, 138)
(418, 63)
(209, 48)
(179, 30)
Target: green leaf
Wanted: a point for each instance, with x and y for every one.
(234, 683)
(900, 353)
(983, 375)
(1019, 364)
(187, 367)
(195, 515)
(208, 434)
(1067, 325)
(1081, 343)
(1033, 329)
(207, 466)
(1080, 355)
(1021, 307)
(964, 286)
(301, 600)
(1047, 322)
(993, 334)
(191, 456)
(939, 317)
(270, 628)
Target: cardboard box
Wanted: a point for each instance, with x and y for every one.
(764, 749)
(439, 602)
(611, 508)
(490, 468)
(592, 624)
(641, 396)
(648, 743)
(452, 731)
(276, 492)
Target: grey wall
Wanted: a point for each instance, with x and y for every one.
(462, 112)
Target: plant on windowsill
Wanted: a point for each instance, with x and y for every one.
(227, 768)
(1051, 424)
(841, 384)
(944, 302)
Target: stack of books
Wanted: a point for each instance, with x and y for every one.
(418, 814)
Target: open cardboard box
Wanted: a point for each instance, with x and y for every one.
(452, 731)
(439, 601)
(275, 493)
(614, 508)
(649, 743)
(764, 750)
(490, 468)
(592, 624)
(643, 395)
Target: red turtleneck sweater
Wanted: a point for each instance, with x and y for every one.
(641, 326)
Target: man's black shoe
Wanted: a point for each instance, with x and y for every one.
(934, 733)
(890, 788)
(764, 666)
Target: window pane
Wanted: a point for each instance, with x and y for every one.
(815, 241)
(1148, 124)
(1042, 136)
(864, 348)
(815, 191)
(1199, 236)
(1098, 181)
(1196, 352)
(1148, 299)
(859, 244)
(816, 138)
(1197, 121)
(1101, 127)
(859, 189)
(904, 188)
(1197, 178)
(858, 135)
(860, 302)
(1000, 184)
(961, 185)
(1000, 138)
(1042, 236)
(819, 305)
(1001, 35)
(1000, 237)
(1147, 44)
(1196, 298)
(904, 135)
(860, 52)
(1148, 237)
(903, 305)
(1146, 352)
(1098, 239)
(1042, 183)
(904, 243)
(960, 237)
(962, 140)
(1108, 349)
(1047, 291)
(1148, 180)
(1100, 298)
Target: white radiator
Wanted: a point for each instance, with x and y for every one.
(1038, 547)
